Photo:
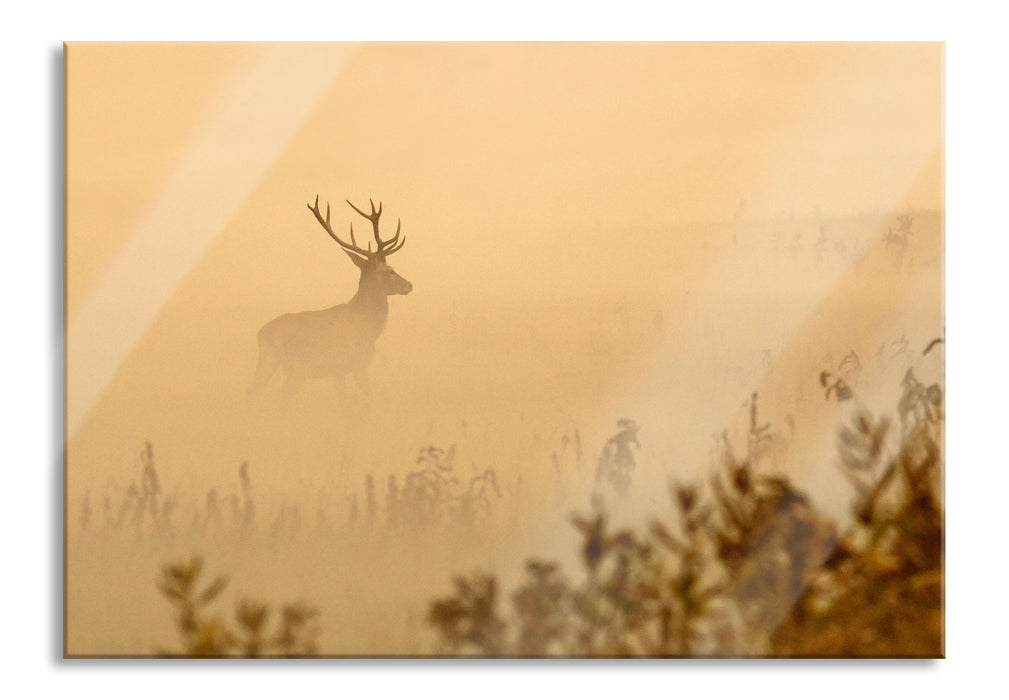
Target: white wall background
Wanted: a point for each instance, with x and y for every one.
(31, 275)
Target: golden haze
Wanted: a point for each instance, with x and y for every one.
(594, 231)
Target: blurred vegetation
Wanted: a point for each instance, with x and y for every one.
(741, 564)
(748, 566)
(617, 460)
(433, 496)
(204, 635)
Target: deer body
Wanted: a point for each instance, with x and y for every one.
(340, 340)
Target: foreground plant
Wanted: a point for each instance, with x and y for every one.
(880, 592)
(752, 568)
(204, 635)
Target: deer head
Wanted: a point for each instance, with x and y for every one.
(376, 275)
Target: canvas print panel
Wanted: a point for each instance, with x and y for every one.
(572, 350)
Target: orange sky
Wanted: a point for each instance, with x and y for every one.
(472, 144)
(512, 137)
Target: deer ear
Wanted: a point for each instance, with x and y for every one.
(357, 260)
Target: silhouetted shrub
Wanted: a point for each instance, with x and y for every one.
(204, 635)
(749, 568)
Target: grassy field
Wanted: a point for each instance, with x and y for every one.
(520, 388)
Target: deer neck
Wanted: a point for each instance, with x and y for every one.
(371, 303)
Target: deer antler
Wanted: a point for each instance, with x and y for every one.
(384, 247)
(351, 247)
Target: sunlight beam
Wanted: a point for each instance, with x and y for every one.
(252, 124)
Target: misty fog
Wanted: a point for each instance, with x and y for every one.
(594, 232)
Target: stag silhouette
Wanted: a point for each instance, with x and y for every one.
(340, 340)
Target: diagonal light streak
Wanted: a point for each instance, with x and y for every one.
(254, 121)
